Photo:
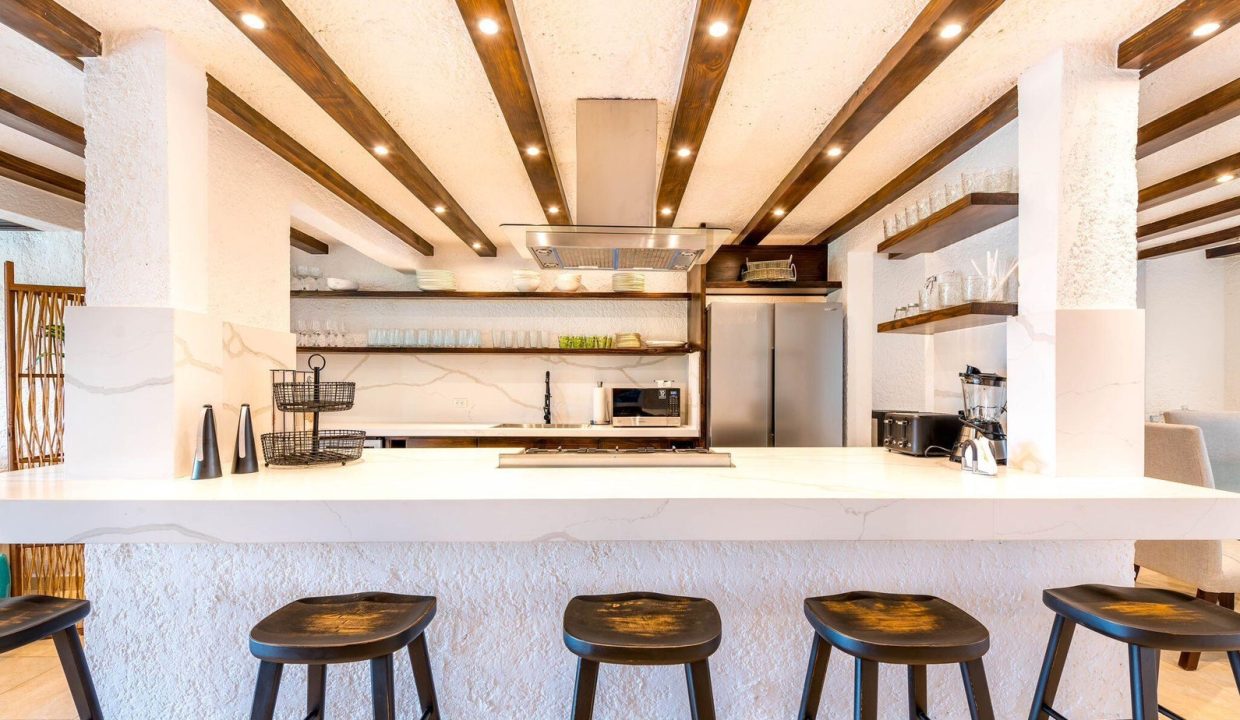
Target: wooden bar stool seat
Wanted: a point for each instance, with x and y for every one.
(1148, 620)
(322, 631)
(643, 629)
(911, 630)
(29, 618)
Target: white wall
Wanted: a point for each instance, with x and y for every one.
(46, 258)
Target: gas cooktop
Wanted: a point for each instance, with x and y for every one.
(615, 457)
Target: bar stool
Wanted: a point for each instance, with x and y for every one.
(322, 631)
(1149, 621)
(912, 630)
(642, 629)
(29, 618)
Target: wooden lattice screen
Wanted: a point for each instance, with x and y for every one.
(34, 345)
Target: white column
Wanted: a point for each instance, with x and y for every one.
(1076, 352)
(144, 356)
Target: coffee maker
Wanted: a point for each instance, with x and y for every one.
(985, 402)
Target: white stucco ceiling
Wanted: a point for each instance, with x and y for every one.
(796, 63)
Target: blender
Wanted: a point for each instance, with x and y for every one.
(985, 402)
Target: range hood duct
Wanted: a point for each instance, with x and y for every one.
(616, 183)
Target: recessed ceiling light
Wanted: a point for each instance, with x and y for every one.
(778, 212)
(477, 245)
(532, 151)
(718, 29)
(951, 31)
(488, 26)
(1225, 177)
(253, 21)
(835, 151)
(440, 209)
(381, 150)
(666, 211)
(684, 152)
(553, 210)
(1206, 29)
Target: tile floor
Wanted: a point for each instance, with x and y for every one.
(32, 686)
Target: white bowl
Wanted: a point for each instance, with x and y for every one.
(527, 284)
(341, 284)
(567, 282)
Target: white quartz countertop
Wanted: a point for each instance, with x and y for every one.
(398, 429)
(461, 495)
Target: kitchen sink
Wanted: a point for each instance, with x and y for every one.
(545, 426)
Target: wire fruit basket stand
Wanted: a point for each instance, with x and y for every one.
(769, 271)
(298, 397)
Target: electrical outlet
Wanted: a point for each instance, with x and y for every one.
(460, 403)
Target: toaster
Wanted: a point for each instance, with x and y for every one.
(921, 433)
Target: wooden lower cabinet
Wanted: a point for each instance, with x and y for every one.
(539, 442)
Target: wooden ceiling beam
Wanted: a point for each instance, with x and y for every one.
(507, 66)
(232, 108)
(717, 27)
(37, 176)
(1224, 251)
(938, 30)
(983, 125)
(1188, 220)
(1175, 33)
(306, 242)
(24, 116)
(1190, 182)
(1214, 108)
(287, 42)
(1193, 243)
(53, 27)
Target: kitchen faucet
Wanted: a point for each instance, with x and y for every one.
(547, 400)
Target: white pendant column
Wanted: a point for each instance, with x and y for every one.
(144, 356)
(1076, 352)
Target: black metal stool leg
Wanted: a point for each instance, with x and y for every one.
(917, 704)
(977, 690)
(1052, 667)
(266, 690)
(701, 699)
(865, 695)
(587, 681)
(382, 687)
(81, 686)
(316, 692)
(1234, 659)
(420, 658)
(1143, 677)
(811, 696)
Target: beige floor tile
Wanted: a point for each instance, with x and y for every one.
(42, 697)
(16, 670)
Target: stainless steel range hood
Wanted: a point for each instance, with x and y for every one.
(616, 185)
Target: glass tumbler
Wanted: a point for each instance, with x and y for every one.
(975, 288)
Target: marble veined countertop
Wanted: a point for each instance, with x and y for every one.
(401, 429)
(461, 495)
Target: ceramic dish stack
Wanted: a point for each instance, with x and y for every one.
(628, 341)
(526, 280)
(628, 282)
(436, 280)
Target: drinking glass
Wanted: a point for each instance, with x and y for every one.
(423, 338)
(900, 312)
(372, 338)
(923, 209)
(449, 338)
(910, 216)
(953, 191)
(938, 200)
(951, 289)
(475, 338)
(409, 338)
(975, 288)
(889, 227)
(901, 222)
(437, 338)
(995, 180)
(316, 331)
(506, 339)
(973, 181)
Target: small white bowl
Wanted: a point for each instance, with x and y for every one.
(568, 282)
(341, 284)
(527, 284)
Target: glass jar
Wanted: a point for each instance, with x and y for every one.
(900, 312)
(950, 288)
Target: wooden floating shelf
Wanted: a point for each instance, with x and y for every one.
(682, 350)
(962, 219)
(958, 317)
(483, 295)
(800, 287)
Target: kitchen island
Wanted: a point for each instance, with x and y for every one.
(179, 570)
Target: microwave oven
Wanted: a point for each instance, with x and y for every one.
(646, 406)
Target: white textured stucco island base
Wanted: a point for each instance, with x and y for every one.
(170, 625)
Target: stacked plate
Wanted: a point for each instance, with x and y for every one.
(436, 280)
(628, 282)
(628, 341)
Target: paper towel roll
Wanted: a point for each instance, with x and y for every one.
(599, 415)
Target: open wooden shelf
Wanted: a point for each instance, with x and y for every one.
(962, 219)
(957, 317)
(483, 295)
(800, 287)
(682, 350)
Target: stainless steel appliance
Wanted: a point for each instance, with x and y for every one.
(985, 403)
(652, 406)
(776, 374)
(630, 457)
(920, 433)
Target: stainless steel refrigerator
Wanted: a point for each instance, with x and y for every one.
(776, 374)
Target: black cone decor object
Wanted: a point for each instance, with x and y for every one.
(207, 456)
(245, 456)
